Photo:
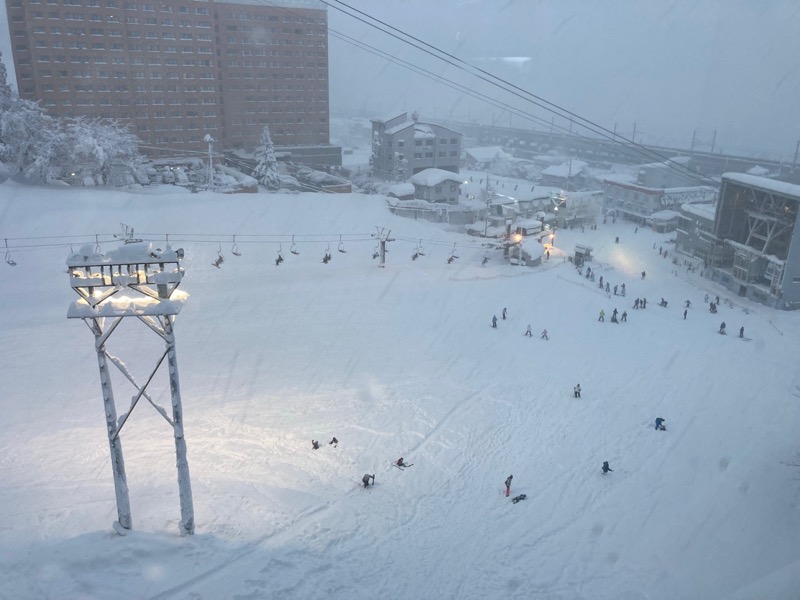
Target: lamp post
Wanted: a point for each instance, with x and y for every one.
(210, 141)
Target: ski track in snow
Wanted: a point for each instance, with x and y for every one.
(399, 361)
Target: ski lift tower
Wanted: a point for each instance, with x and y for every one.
(134, 280)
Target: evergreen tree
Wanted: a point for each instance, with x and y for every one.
(266, 171)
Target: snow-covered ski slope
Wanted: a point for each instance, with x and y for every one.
(400, 361)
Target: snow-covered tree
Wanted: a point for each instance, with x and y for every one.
(28, 137)
(400, 167)
(376, 148)
(502, 165)
(266, 171)
(92, 144)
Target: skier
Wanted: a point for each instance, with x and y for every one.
(643, 303)
(614, 314)
(644, 274)
(623, 289)
(722, 328)
(315, 444)
(508, 485)
(365, 480)
(705, 298)
(663, 303)
(601, 281)
(660, 424)
(741, 332)
(615, 290)
(528, 331)
(400, 462)
(544, 334)
(602, 315)
(334, 441)
(504, 314)
(494, 321)
(606, 468)
(636, 304)
(687, 304)
(608, 288)
(577, 391)
(717, 301)
(684, 313)
(624, 316)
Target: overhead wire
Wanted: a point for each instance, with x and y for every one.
(516, 90)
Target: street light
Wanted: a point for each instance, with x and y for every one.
(210, 141)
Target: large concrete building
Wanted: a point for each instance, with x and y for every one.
(177, 70)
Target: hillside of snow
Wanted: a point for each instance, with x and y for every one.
(394, 361)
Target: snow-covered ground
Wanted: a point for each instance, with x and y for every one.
(400, 361)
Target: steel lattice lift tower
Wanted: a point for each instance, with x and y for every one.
(134, 280)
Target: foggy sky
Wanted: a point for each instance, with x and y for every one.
(673, 68)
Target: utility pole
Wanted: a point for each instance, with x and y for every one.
(488, 200)
(796, 150)
(694, 135)
(713, 141)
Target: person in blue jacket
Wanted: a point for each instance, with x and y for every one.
(660, 424)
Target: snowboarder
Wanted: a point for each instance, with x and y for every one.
(516, 499)
(365, 480)
(606, 468)
(544, 335)
(494, 321)
(722, 328)
(663, 303)
(615, 290)
(602, 315)
(400, 462)
(577, 391)
(528, 331)
(504, 314)
(315, 444)
(334, 441)
(508, 485)
(687, 304)
(624, 316)
(660, 424)
(741, 332)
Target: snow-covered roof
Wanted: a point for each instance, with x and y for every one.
(486, 154)
(665, 215)
(567, 169)
(758, 171)
(422, 131)
(781, 187)
(705, 211)
(401, 189)
(432, 177)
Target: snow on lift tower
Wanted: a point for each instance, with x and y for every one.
(133, 280)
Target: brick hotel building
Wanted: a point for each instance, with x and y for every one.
(177, 70)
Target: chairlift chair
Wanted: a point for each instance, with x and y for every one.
(235, 248)
(341, 245)
(11, 262)
(293, 248)
(376, 252)
(327, 258)
(220, 259)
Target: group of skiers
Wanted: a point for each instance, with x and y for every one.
(315, 443)
(528, 332)
(614, 319)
